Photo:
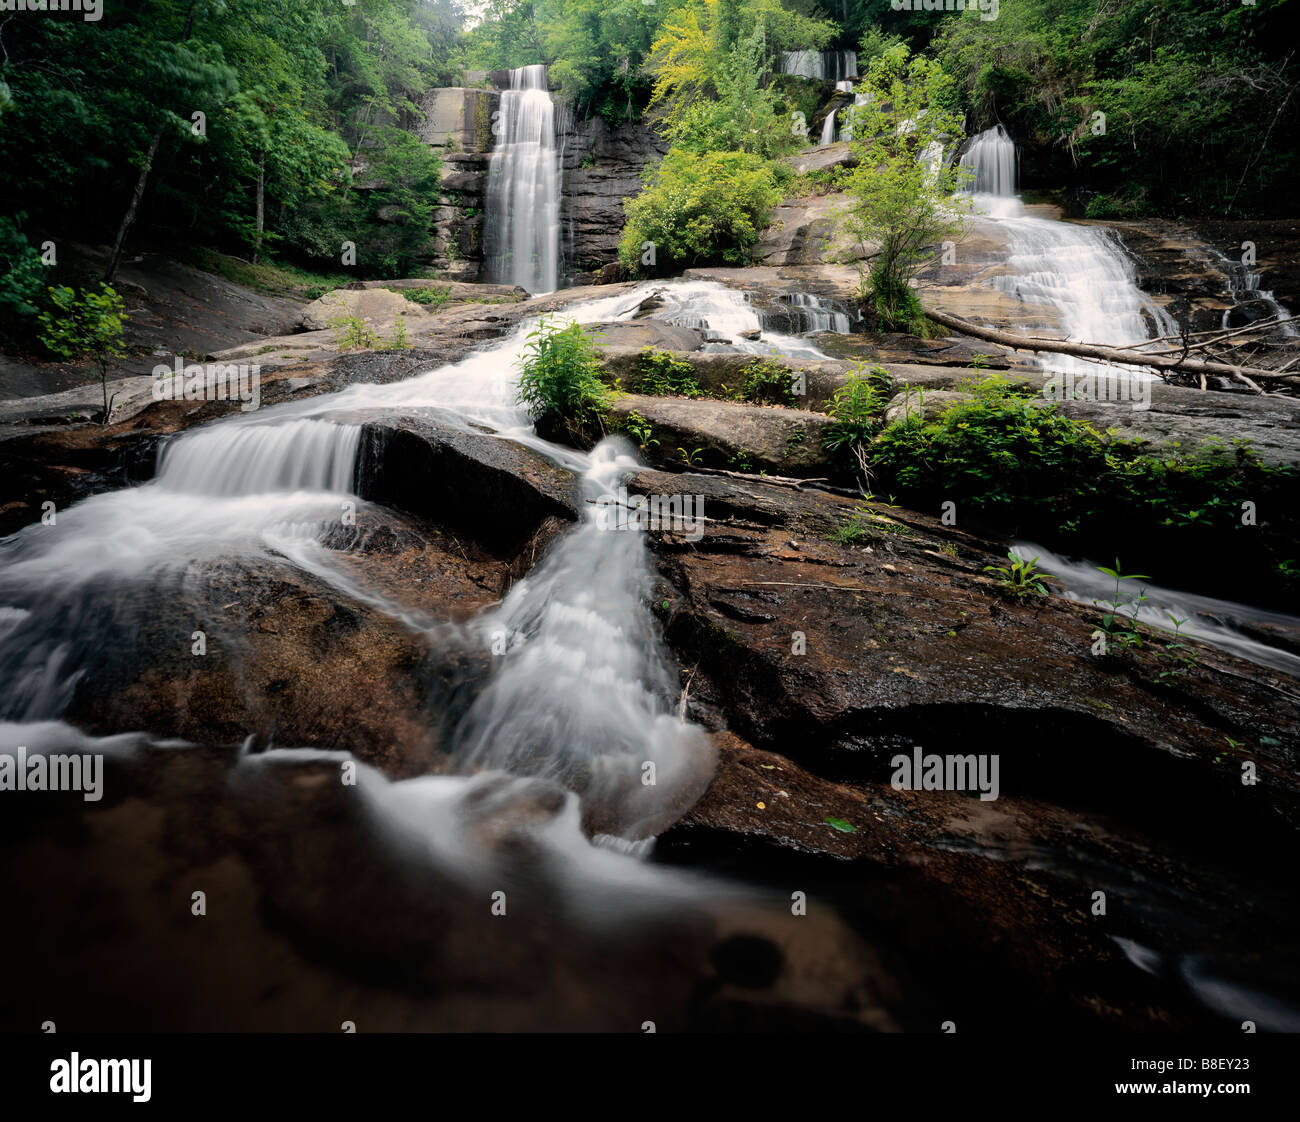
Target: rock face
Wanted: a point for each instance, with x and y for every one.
(601, 166)
(458, 126)
(820, 664)
(725, 434)
(325, 906)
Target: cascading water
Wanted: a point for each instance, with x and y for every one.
(990, 159)
(1221, 623)
(809, 315)
(582, 698)
(253, 458)
(522, 221)
(830, 130)
(1081, 273)
(820, 65)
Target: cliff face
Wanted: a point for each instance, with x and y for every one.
(601, 166)
(458, 125)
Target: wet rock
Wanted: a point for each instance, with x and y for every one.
(289, 657)
(645, 333)
(495, 491)
(328, 902)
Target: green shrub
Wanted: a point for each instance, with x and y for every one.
(560, 380)
(22, 273)
(767, 383)
(1017, 462)
(856, 410)
(433, 298)
(86, 324)
(661, 374)
(698, 209)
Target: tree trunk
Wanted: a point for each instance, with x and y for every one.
(261, 205)
(1100, 353)
(128, 219)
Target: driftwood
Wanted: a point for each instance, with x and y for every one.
(1124, 356)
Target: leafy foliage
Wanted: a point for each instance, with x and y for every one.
(1020, 577)
(661, 374)
(560, 380)
(85, 324)
(1182, 84)
(698, 209)
(902, 195)
(856, 410)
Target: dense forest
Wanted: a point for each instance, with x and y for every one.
(283, 127)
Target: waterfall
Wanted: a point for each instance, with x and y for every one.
(251, 459)
(991, 159)
(809, 314)
(522, 222)
(1243, 287)
(1081, 273)
(829, 131)
(821, 66)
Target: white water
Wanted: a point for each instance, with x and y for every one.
(820, 65)
(1217, 622)
(584, 695)
(522, 220)
(1243, 287)
(816, 314)
(1080, 273)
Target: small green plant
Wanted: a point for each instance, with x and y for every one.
(856, 410)
(661, 374)
(351, 332)
(639, 429)
(86, 324)
(1119, 619)
(1020, 578)
(739, 460)
(690, 458)
(1177, 657)
(560, 379)
(766, 383)
(400, 340)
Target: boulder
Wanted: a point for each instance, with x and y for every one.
(377, 307)
(725, 434)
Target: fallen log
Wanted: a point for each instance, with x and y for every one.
(1124, 357)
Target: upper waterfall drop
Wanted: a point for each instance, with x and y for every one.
(522, 224)
(991, 158)
(1080, 276)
